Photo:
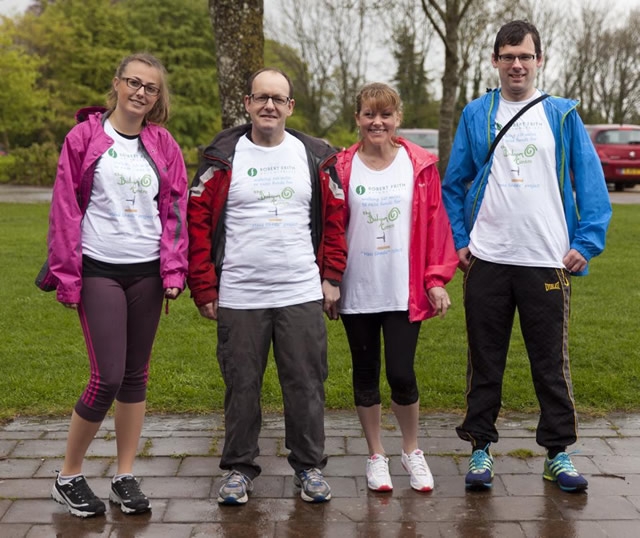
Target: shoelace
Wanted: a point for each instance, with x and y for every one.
(313, 476)
(379, 465)
(562, 463)
(131, 487)
(418, 464)
(235, 478)
(83, 491)
(479, 461)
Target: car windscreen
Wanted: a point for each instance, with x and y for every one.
(425, 140)
(618, 136)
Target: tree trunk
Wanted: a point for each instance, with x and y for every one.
(237, 27)
(449, 90)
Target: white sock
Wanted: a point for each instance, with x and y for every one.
(121, 476)
(62, 480)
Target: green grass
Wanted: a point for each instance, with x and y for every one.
(43, 364)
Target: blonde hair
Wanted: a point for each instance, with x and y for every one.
(159, 114)
(378, 96)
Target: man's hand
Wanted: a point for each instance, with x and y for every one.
(331, 296)
(439, 299)
(209, 310)
(463, 258)
(574, 261)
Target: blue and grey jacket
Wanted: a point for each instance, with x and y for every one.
(587, 214)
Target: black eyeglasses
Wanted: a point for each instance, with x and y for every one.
(510, 58)
(262, 98)
(135, 84)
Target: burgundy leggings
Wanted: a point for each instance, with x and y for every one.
(119, 318)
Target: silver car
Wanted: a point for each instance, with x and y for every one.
(425, 138)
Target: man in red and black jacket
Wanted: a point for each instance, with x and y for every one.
(266, 256)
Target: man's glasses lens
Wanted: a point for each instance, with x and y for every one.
(510, 58)
(277, 99)
(135, 84)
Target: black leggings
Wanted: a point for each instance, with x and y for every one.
(400, 341)
(119, 318)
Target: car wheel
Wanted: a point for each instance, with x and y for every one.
(619, 187)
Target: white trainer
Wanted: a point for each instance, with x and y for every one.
(416, 466)
(378, 477)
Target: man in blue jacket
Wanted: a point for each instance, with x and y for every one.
(520, 234)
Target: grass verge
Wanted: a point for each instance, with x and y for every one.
(43, 364)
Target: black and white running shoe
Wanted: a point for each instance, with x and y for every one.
(127, 493)
(77, 496)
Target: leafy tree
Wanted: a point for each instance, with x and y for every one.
(21, 102)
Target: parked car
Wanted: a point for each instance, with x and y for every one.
(425, 138)
(618, 147)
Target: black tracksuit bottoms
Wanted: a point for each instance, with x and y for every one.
(492, 292)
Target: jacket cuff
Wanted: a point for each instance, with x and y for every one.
(204, 297)
(332, 274)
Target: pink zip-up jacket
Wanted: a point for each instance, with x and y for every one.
(82, 149)
(432, 256)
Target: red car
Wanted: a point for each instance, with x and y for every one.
(618, 147)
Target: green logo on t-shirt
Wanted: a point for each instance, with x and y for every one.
(145, 180)
(112, 153)
(498, 126)
(360, 189)
(252, 172)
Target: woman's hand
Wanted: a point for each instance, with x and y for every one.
(439, 299)
(72, 306)
(172, 293)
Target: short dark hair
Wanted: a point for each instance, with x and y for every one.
(513, 33)
(265, 69)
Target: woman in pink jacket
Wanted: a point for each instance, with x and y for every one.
(117, 247)
(400, 256)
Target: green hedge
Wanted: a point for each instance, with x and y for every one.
(35, 165)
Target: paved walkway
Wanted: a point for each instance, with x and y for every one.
(178, 467)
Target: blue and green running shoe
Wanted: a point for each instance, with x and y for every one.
(561, 470)
(480, 473)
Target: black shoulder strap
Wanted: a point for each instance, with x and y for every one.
(504, 130)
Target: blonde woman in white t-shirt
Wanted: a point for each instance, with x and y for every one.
(401, 255)
(117, 247)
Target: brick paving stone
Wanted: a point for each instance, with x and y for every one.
(507, 445)
(276, 465)
(628, 432)
(192, 446)
(154, 530)
(4, 506)
(505, 508)
(485, 529)
(618, 464)
(565, 529)
(26, 488)
(33, 511)
(620, 529)
(344, 466)
(509, 465)
(586, 423)
(18, 468)
(530, 485)
(331, 432)
(92, 467)
(4, 435)
(586, 507)
(374, 508)
(333, 446)
(264, 487)
(75, 528)
(624, 420)
(199, 466)
(635, 499)
(6, 447)
(176, 487)
(103, 448)
(625, 447)
(444, 486)
(37, 424)
(41, 448)
(304, 529)
(159, 466)
(13, 531)
(597, 432)
(614, 484)
(234, 530)
(592, 447)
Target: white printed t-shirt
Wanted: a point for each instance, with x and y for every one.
(377, 275)
(122, 221)
(521, 220)
(269, 260)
